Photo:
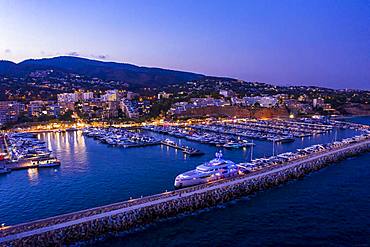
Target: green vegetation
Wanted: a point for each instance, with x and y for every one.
(67, 116)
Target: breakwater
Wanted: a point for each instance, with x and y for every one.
(121, 216)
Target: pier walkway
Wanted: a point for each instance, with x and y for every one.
(25, 230)
(184, 149)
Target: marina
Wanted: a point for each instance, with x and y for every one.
(184, 123)
(82, 155)
(121, 137)
(237, 133)
(215, 139)
(24, 151)
(84, 224)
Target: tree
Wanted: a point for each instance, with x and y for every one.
(67, 116)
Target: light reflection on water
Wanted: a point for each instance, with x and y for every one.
(33, 175)
(94, 174)
(327, 208)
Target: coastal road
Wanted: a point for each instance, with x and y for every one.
(167, 198)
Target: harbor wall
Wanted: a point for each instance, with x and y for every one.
(177, 202)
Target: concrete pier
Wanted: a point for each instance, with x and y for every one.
(184, 149)
(88, 224)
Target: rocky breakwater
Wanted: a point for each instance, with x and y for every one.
(88, 224)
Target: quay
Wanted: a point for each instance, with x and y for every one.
(92, 223)
(185, 149)
(3, 156)
(32, 163)
(139, 145)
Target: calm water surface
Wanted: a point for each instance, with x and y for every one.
(331, 206)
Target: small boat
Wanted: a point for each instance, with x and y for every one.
(192, 151)
(232, 145)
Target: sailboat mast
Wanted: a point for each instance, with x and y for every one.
(252, 151)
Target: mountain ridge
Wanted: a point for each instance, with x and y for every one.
(128, 73)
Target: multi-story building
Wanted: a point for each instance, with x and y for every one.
(264, 101)
(237, 101)
(164, 95)
(318, 102)
(144, 107)
(10, 111)
(53, 110)
(68, 97)
(180, 107)
(74, 97)
(227, 93)
(36, 108)
(87, 96)
(110, 95)
(110, 109)
(204, 102)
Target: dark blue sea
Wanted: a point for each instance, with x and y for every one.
(330, 207)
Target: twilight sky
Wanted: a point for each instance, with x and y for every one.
(321, 42)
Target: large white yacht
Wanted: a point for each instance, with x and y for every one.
(215, 169)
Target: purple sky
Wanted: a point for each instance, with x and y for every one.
(324, 43)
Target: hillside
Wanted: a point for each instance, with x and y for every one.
(136, 75)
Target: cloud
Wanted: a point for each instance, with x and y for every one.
(73, 53)
(7, 51)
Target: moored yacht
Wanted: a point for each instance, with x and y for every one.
(215, 169)
(45, 162)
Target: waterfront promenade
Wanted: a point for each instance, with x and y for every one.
(53, 224)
